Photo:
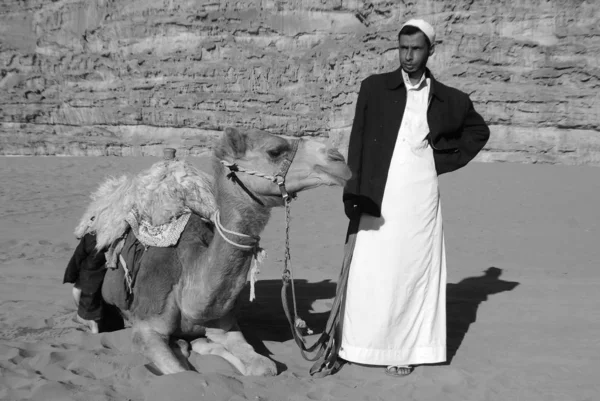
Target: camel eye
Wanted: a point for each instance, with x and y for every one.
(275, 153)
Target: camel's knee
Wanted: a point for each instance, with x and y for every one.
(137, 340)
(144, 337)
(157, 347)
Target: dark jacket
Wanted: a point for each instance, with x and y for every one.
(87, 266)
(457, 134)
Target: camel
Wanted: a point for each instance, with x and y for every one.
(187, 293)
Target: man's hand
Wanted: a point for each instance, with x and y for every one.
(351, 209)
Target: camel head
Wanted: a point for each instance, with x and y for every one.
(313, 164)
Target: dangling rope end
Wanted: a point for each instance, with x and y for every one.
(257, 260)
(301, 324)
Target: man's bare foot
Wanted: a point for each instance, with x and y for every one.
(92, 325)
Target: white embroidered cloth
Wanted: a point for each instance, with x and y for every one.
(163, 235)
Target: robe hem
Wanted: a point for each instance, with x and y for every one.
(386, 357)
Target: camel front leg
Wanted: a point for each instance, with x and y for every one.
(233, 347)
(155, 346)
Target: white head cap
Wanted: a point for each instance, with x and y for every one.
(424, 27)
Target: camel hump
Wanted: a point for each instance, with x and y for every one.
(158, 195)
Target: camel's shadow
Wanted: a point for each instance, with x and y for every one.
(264, 319)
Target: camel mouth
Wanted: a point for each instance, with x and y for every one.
(339, 174)
(278, 199)
(290, 194)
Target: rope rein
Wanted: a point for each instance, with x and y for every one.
(288, 275)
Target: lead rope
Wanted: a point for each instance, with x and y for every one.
(296, 323)
(288, 275)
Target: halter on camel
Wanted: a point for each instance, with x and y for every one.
(326, 342)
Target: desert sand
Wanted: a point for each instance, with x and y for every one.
(523, 301)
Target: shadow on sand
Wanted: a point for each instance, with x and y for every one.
(264, 319)
(463, 300)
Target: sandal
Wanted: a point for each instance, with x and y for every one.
(399, 371)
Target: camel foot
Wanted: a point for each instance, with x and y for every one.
(259, 365)
(182, 347)
(182, 351)
(232, 347)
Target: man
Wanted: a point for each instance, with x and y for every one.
(407, 130)
(86, 270)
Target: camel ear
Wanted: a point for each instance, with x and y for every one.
(233, 144)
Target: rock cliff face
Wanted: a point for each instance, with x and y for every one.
(98, 77)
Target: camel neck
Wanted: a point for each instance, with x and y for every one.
(225, 267)
(238, 211)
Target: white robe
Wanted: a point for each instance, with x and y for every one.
(395, 310)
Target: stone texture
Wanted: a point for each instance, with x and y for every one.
(99, 77)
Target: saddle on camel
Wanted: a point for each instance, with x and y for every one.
(179, 244)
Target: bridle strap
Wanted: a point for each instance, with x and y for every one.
(278, 178)
(287, 162)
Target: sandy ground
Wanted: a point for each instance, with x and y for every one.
(525, 330)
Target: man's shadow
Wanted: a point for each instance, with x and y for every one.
(463, 300)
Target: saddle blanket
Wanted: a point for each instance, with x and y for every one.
(115, 281)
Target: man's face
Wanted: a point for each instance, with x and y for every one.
(414, 52)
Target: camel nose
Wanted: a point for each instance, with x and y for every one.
(335, 155)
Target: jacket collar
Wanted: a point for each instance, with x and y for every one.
(394, 81)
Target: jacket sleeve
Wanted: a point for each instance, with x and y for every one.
(475, 134)
(355, 147)
(82, 251)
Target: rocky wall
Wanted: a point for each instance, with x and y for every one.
(98, 77)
